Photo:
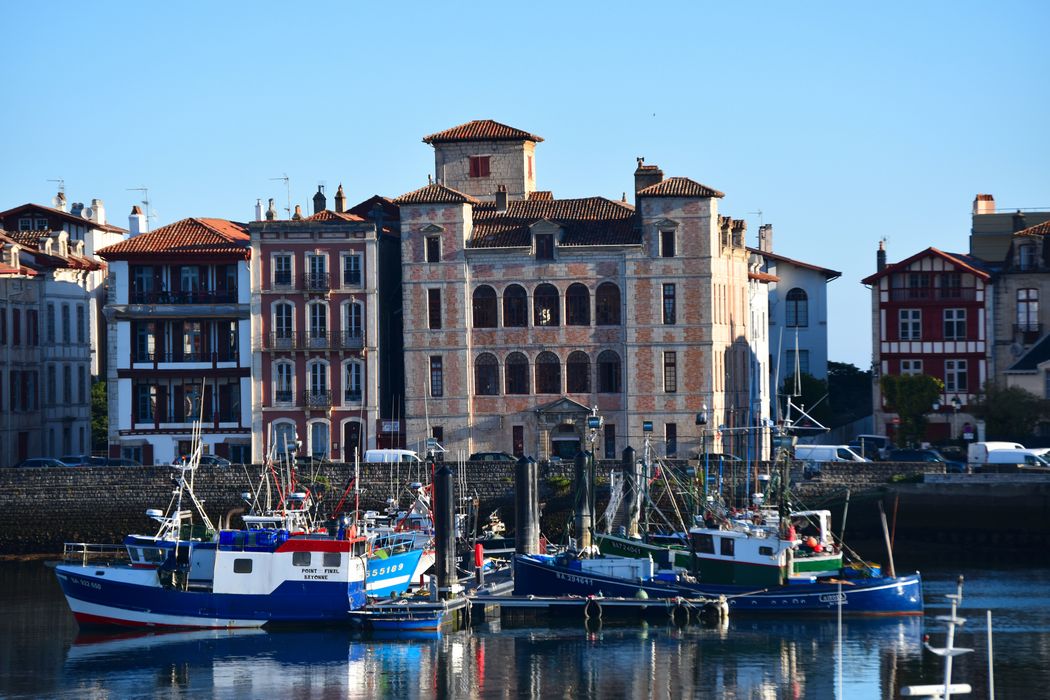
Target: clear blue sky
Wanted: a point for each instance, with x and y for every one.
(842, 124)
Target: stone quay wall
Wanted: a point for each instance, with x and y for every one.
(40, 509)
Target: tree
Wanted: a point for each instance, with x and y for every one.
(99, 417)
(1010, 413)
(912, 397)
(849, 391)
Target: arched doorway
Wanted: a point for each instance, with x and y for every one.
(353, 441)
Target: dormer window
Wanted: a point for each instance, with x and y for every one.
(25, 224)
(1026, 256)
(479, 166)
(433, 249)
(41, 225)
(544, 246)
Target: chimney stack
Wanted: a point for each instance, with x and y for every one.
(501, 198)
(340, 200)
(98, 212)
(77, 208)
(298, 215)
(765, 238)
(646, 175)
(983, 204)
(320, 201)
(60, 201)
(739, 232)
(1019, 222)
(880, 257)
(136, 222)
(271, 212)
(258, 210)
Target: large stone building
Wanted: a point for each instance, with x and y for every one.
(525, 313)
(45, 351)
(179, 340)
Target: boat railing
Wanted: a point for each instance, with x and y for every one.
(98, 554)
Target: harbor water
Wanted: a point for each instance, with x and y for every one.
(44, 654)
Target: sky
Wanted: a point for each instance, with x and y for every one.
(842, 124)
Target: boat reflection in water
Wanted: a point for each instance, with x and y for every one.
(751, 658)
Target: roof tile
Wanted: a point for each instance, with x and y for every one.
(589, 221)
(435, 194)
(679, 187)
(481, 130)
(193, 236)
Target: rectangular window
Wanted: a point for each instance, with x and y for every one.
(81, 384)
(703, 544)
(918, 285)
(670, 372)
(3, 326)
(610, 441)
(242, 566)
(799, 363)
(955, 380)
(67, 384)
(16, 326)
(728, 546)
(479, 166)
(300, 558)
(671, 439)
(49, 329)
(317, 272)
(332, 560)
(437, 376)
(52, 385)
(1027, 310)
(955, 324)
(544, 246)
(434, 308)
(81, 324)
(351, 270)
(669, 305)
(192, 341)
(951, 285)
(67, 334)
(433, 249)
(145, 402)
(911, 367)
(518, 438)
(910, 324)
(25, 224)
(32, 328)
(667, 244)
(282, 270)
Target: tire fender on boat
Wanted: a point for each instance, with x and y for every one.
(592, 609)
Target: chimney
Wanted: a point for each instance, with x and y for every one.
(298, 215)
(340, 199)
(258, 210)
(98, 212)
(983, 204)
(501, 198)
(646, 175)
(765, 238)
(320, 201)
(1019, 224)
(271, 212)
(880, 257)
(77, 208)
(739, 232)
(60, 201)
(136, 222)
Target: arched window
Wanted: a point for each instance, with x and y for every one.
(283, 436)
(283, 324)
(353, 324)
(486, 375)
(517, 371)
(797, 309)
(485, 307)
(353, 380)
(545, 306)
(515, 307)
(607, 304)
(577, 305)
(548, 373)
(317, 394)
(317, 318)
(320, 437)
(283, 382)
(608, 372)
(578, 373)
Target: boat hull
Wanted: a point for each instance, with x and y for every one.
(901, 595)
(129, 597)
(393, 575)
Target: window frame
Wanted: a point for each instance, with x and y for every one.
(437, 376)
(796, 308)
(670, 304)
(479, 166)
(667, 243)
(434, 308)
(670, 365)
(909, 324)
(954, 324)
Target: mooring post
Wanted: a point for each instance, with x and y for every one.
(526, 507)
(583, 502)
(444, 524)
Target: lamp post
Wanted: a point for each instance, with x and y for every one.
(701, 420)
(956, 405)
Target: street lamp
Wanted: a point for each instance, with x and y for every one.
(956, 405)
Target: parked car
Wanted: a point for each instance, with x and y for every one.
(872, 446)
(40, 462)
(122, 462)
(83, 461)
(907, 455)
(214, 461)
(492, 457)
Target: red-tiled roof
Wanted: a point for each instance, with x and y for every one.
(762, 277)
(481, 130)
(329, 215)
(961, 261)
(51, 211)
(6, 270)
(590, 221)
(435, 194)
(679, 187)
(541, 196)
(193, 236)
(30, 241)
(1037, 230)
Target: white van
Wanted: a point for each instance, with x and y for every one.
(390, 456)
(1018, 457)
(979, 452)
(827, 453)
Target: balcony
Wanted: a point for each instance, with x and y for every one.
(352, 396)
(283, 398)
(295, 340)
(933, 295)
(317, 399)
(283, 280)
(226, 355)
(1028, 333)
(316, 282)
(201, 296)
(351, 278)
(353, 339)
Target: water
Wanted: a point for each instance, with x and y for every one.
(42, 654)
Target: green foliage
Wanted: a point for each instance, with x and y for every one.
(850, 393)
(813, 399)
(1010, 413)
(911, 397)
(559, 482)
(99, 417)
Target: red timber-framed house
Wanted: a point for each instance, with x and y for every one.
(316, 331)
(929, 316)
(524, 312)
(178, 340)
